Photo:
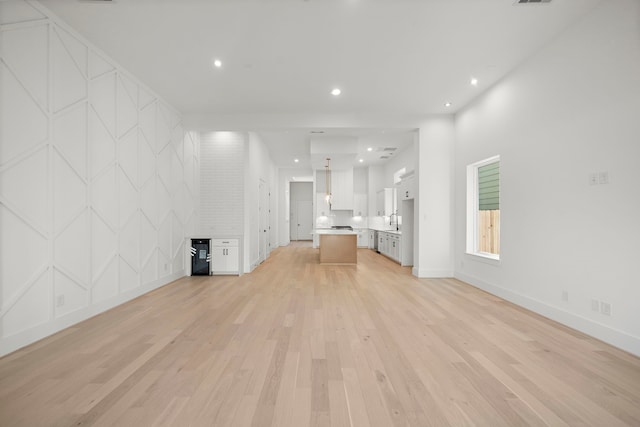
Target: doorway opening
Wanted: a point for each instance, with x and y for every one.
(301, 213)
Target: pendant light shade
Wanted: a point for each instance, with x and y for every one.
(327, 175)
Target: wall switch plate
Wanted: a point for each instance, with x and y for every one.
(593, 179)
(595, 305)
(60, 301)
(603, 177)
(565, 296)
(605, 308)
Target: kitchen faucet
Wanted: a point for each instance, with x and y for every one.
(391, 222)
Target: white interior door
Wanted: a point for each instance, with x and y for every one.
(305, 220)
(264, 221)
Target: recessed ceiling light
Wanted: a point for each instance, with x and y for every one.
(361, 160)
(473, 81)
(370, 149)
(296, 160)
(336, 92)
(217, 63)
(447, 104)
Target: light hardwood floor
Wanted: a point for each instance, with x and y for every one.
(296, 343)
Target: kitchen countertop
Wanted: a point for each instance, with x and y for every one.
(398, 232)
(333, 231)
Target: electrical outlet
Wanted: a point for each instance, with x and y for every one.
(166, 266)
(565, 296)
(60, 301)
(593, 178)
(605, 308)
(595, 305)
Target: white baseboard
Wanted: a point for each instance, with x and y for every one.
(590, 327)
(21, 339)
(431, 274)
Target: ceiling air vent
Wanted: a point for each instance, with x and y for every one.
(390, 148)
(532, 1)
(384, 157)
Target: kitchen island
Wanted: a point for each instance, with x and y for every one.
(338, 246)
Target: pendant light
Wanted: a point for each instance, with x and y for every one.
(327, 177)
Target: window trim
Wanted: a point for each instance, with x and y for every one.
(473, 195)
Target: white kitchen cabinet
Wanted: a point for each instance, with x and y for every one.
(373, 239)
(389, 245)
(363, 238)
(225, 256)
(386, 202)
(342, 189)
(406, 188)
(360, 204)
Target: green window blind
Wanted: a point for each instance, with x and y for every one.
(489, 187)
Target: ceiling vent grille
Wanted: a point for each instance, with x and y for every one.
(384, 157)
(532, 1)
(390, 148)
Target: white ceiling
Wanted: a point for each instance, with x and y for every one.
(389, 57)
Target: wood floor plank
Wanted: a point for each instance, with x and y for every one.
(296, 343)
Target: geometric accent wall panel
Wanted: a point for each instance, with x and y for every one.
(150, 269)
(128, 154)
(144, 98)
(163, 137)
(15, 104)
(32, 309)
(92, 178)
(69, 83)
(127, 277)
(164, 265)
(105, 285)
(25, 52)
(129, 242)
(177, 172)
(149, 240)
(103, 100)
(74, 296)
(98, 65)
(128, 198)
(23, 252)
(104, 245)
(178, 258)
(102, 147)
(177, 232)
(71, 249)
(163, 200)
(146, 161)
(77, 50)
(147, 121)
(69, 193)
(164, 166)
(104, 197)
(127, 109)
(70, 136)
(24, 186)
(164, 237)
(148, 201)
(12, 12)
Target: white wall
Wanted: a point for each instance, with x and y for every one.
(98, 180)
(435, 201)
(570, 111)
(222, 184)
(260, 167)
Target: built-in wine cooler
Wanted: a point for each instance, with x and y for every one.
(200, 257)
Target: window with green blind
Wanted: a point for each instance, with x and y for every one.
(489, 187)
(483, 208)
